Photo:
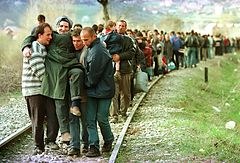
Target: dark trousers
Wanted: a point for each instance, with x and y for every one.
(62, 110)
(175, 58)
(75, 76)
(132, 87)
(40, 107)
(156, 68)
(181, 59)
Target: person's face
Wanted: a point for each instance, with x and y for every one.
(113, 28)
(46, 37)
(63, 27)
(87, 38)
(129, 33)
(77, 42)
(139, 39)
(121, 27)
(167, 37)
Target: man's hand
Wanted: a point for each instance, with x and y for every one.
(116, 57)
(27, 52)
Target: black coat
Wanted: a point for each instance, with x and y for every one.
(99, 71)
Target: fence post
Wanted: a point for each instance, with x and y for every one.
(206, 74)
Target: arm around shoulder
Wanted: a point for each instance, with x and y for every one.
(27, 42)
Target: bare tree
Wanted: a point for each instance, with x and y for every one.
(104, 3)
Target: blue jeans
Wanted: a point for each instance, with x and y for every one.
(192, 56)
(75, 124)
(98, 112)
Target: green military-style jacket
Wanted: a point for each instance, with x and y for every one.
(59, 60)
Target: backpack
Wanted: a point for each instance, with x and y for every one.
(192, 41)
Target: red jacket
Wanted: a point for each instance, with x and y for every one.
(148, 56)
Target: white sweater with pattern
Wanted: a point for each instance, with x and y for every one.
(33, 70)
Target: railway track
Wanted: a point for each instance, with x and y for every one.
(112, 158)
(117, 146)
(15, 135)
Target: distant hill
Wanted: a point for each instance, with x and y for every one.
(11, 11)
(151, 13)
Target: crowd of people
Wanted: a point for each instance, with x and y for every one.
(74, 78)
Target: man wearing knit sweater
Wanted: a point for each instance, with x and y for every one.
(38, 106)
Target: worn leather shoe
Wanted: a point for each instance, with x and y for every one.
(85, 149)
(38, 151)
(107, 147)
(93, 152)
(52, 145)
(73, 152)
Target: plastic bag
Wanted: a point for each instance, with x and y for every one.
(171, 66)
(141, 81)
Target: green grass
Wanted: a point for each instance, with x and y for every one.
(5, 97)
(197, 133)
(208, 136)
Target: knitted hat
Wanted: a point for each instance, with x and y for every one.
(64, 18)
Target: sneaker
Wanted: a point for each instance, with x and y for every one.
(37, 151)
(73, 152)
(75, 111)
(107, 147)
(93, 152)
(52, 145)
(65, 137)
(85, 149)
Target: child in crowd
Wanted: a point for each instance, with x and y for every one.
(113, 42)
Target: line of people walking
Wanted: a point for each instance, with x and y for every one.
(75, 78)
